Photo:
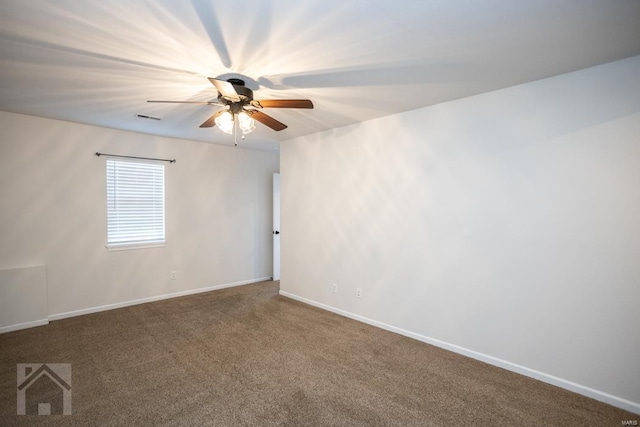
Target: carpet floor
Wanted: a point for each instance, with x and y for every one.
(246, 356)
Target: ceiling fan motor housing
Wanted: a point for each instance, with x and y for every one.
(244, 93)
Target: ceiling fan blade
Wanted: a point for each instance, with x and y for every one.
(191, 102)
(282, 103)
(266, 120)
(211, 121)
(226, 89)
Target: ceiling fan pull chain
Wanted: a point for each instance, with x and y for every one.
(235, 131)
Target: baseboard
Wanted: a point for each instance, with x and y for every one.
(618, 402)
(123, 304)
(25, 325)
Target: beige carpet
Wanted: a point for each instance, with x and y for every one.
(247, 356)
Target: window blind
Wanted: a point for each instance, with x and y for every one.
(135, 203)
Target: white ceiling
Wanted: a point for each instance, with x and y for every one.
(98, 62)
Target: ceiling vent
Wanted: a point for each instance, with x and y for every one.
(144, 116)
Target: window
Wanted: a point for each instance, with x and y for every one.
(135, 204)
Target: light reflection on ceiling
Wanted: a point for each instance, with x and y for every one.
(98, 62)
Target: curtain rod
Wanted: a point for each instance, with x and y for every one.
(134, 157)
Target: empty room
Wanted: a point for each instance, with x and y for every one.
(320, 213)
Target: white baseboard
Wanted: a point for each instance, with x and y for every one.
(152, 299)
(25, 325)
(532, 373)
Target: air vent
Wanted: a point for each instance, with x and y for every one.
(144, 116)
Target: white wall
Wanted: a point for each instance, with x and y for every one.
(23, 298)
(53, 213)
(505, 226)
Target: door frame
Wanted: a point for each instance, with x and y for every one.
(276, 226)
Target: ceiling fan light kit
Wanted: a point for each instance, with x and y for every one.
(226, 122)
(234, 96)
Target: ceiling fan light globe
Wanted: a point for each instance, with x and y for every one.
(246, 123)
(225, 122)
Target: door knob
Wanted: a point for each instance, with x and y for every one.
(276, 232)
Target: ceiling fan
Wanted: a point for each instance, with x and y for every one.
(235, 97)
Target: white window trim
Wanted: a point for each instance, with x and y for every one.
(132, 246)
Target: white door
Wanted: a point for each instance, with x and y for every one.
(276, 226)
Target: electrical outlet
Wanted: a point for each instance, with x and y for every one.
(334, 287)
(173, 275)
(359, 292)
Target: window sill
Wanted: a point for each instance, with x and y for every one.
(133, 246)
